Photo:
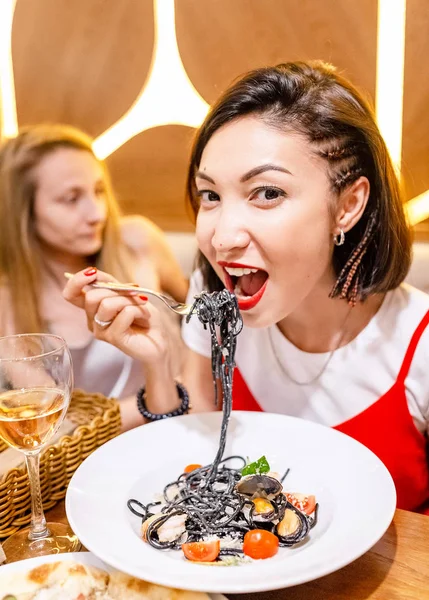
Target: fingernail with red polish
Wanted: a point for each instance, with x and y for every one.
(90, 271)
(145, 298)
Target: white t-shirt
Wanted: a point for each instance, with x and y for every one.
(357, 375)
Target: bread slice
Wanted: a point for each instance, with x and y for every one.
(69, 580)
(124, 587)
(62, 580)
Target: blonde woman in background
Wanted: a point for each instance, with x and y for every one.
(58, 213)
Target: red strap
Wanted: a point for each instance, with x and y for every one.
(242, 397)
(412, 348)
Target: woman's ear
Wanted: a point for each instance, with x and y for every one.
(352, 203)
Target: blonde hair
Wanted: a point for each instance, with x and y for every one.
(20, 255)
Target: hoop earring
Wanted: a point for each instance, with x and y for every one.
(339, 238)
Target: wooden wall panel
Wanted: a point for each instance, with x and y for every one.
(219, 39)
(80, 61)
(149, 173)
(415, 151)
(85, 61)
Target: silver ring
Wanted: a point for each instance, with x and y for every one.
(102, 324)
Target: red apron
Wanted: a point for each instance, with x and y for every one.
(387, 428)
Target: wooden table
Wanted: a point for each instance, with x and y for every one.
(396, 568)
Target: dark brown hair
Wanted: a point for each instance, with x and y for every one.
(311, 99)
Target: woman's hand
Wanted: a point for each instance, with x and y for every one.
(135, 327)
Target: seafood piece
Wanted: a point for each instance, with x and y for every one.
(259, 486)
(146, 524)
(289, 524)
(259, 510)
(293, 527)
(171, 528)
(263, 510)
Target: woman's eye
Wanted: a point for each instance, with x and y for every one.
(268, 195)
(208, 196)
(69, 199)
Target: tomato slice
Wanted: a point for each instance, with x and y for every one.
(305, 504)
(190, 468)
(259, 543)
(202, 551)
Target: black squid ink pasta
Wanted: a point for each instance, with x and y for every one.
(219, 501)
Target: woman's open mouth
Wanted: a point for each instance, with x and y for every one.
(247, 283)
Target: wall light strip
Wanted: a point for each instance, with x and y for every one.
(168, 97)
(390, 74)
(8, 120)
(174, 100)
(417, 209)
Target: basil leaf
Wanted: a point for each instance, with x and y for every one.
(249, 469)
(256, 468)
(262, 465)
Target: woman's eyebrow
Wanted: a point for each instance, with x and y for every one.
(262, 169)
(250, 174)
(202, 175)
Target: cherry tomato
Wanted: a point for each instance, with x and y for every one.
(202, 551)
(190, 468)
(305, 504)
(259, 543)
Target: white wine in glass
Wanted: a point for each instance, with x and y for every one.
(36, 381)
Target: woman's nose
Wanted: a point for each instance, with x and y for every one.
(229, 232)
(95, 209)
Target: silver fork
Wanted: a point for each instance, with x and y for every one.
(178, 307)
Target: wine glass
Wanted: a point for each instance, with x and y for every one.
(36, 381)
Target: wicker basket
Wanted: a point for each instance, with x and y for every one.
(98, 420)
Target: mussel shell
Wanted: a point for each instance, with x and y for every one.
(313, 518)
(259, 486)
(254, 518)
(263, 517)
(301, 532)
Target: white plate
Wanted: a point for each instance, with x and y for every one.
(355, 491)
(86, 558)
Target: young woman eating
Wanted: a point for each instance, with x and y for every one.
(298, 212)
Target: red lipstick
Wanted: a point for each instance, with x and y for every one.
(223, 263)
(252, 301)
(247, 302)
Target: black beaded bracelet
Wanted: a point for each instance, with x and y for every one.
(183, 408)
